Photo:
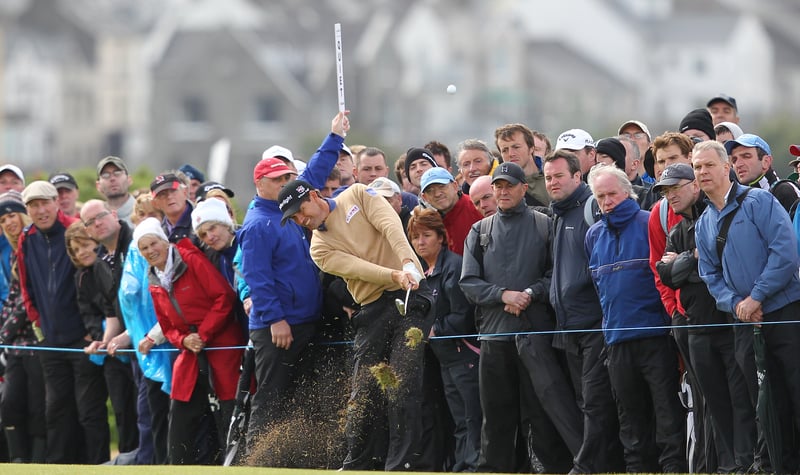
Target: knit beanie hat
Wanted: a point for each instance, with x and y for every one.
(614, 149)
(415, 154)
(699, 119)
(210, 210)
(11, 202)
(148, 226)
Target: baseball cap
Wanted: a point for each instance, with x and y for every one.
(116, 161)
(673, 174)
(574, 139)
(276, 151)
(723, 98)
(748, 140)
(510, 172)
(794, 150)
(794, 163)
(385, 187)
(192, 172)
(292, 196)
(63, 180)
(39, 190)
(272, 167)
(734, 129)
(435, 175)
(637, 123)
(204, 188)
(167, 181)
(13, 169)
(347, 150)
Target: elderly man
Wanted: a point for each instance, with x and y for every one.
(482, 195)
(358, 236)
(641, 360)
(474, 160)
(519, 380)
(751, 271)
(76, 391)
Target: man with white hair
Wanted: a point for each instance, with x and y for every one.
(641, 359)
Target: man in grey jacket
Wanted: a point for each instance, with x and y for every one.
(512, 297)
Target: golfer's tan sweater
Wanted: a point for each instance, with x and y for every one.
(363, 242)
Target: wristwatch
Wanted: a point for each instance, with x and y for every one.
(529, 292)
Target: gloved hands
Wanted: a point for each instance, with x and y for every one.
(412, 269)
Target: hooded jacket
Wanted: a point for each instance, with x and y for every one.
(619, 254)
(572, 293)
(201, 301)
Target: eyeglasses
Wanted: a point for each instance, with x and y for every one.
(115, 174)
(637, 135)
(667, 190)
(90, 222)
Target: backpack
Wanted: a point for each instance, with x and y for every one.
(540, 221)
(591, 211)
(793, 209)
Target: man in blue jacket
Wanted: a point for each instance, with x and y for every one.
(577, 307)
(642, 360)
(285, 288)
(754, 277)
(75, 407)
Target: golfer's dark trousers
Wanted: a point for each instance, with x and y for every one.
(783, 370)
(723, 385)
(275, 371)
(384, 429)
(509, 401)
(75, 408)
(644, 375)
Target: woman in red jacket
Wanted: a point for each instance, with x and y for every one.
(194, 305)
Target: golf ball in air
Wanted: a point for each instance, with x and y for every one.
(451, 89)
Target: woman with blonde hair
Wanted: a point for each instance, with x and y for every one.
(22, 404)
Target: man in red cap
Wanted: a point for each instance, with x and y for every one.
(285, 292)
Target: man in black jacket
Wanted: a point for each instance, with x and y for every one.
(711, 349)
(577, 307)
(512, 295)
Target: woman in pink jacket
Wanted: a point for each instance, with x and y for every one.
(194, 305)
